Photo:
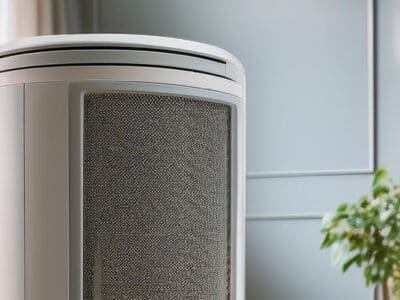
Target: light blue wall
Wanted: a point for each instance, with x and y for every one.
(388, 84)
(308, 111)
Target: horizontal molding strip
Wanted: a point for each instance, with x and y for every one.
(254, 175)
(316, 216)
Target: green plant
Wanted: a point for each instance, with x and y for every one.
(367, 233)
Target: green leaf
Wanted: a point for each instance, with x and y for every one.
(363, 228)
(364, 201)
(328, 241)
(355, 220)
(354, 259)
(380, 174)
(342, 207)
(367, 275)
(359, 261)
(340, 216)
(380, 190)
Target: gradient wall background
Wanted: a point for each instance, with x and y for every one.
(313, 132)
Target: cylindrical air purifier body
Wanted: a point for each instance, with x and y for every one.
(122, 169)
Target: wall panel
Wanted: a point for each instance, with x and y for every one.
(307, 67)
(284, 262)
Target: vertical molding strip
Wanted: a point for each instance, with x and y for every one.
(24, 160)
(371, 82)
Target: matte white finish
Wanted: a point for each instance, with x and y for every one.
(48, 163)
(118, 40)
(12, 192)
(46, 256)
(124, 57)
(121, 73)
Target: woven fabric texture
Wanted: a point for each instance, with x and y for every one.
(156, 197)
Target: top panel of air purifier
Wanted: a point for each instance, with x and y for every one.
(119, 49)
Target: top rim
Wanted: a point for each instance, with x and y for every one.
(46, 42)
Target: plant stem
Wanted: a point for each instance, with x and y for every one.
(386, 290)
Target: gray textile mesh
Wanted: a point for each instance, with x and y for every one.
(156, 197)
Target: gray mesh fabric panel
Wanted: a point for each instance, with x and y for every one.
(156, 202)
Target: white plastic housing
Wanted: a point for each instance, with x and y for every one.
(42, 80)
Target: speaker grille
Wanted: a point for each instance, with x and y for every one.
(156, 197)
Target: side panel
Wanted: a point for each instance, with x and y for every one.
(46, 191)
(47, 196)
(12, 192)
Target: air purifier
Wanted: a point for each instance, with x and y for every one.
(122, 169)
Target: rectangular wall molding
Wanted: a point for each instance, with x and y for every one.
(370, 32)
(286, 217)
(309, 173)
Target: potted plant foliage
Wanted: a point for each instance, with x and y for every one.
(367, 234)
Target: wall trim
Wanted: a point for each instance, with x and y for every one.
(310, 173)
(285, 217)
(370, 31)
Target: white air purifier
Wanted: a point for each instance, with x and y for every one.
(122, 169)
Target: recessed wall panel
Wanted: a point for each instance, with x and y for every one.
(307, 69)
